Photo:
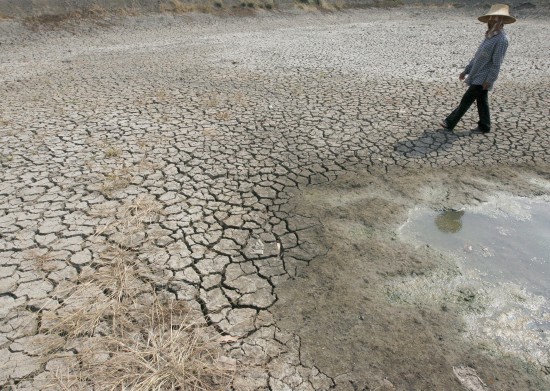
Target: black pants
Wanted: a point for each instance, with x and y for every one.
(481, 96)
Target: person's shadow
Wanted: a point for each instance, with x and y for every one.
(428, 142)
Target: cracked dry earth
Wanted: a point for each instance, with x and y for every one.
(203, 128)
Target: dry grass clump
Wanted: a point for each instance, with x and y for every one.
(216, 6)
(94, 11)
(222, 116)
(176, 6)
(171, 351)
(41, 259)
(131, 217)
(113, 152)
(49, 21)
(159, 346)
(121, 333)
(337, 5)
(5, 158)
(95, 14)
(100, 299)
(323, 5)
(116, 180)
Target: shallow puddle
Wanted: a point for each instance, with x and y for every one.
(502, 248)
(505, 243)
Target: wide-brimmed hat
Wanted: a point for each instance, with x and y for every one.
(498, 10)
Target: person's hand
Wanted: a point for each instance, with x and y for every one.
(486, 86)
(462, 76)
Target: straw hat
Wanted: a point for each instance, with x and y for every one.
(498, 10)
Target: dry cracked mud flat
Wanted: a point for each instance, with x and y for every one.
(255, 168)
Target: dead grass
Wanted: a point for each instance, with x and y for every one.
(117, 179)
(4, 122)
(240, 98)
(326, 5)
(96, 11)
(50, 21)
(337, 5)
(133, 215)
(168, 351)
(176, 6)
(313, 5)
(100, 16)
(164, 349)
(154, 344)
(95, 14)
(109, 177)
(212, 102)
(41, 259)
(211, 133)
(113, 152)
(125, 335)
(222, 116)
(161, 95)
(245, 7)
(84, 307)
(5, 158)
(320, 5)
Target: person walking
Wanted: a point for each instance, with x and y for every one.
(482, 71)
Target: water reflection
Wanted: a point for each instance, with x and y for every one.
(505, 240)
(449, 221)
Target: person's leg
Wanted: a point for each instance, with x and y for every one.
(469, 97)
(482, 101)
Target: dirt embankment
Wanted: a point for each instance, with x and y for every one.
(53, 10)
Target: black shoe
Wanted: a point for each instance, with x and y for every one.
(445, 125)
(478, 130)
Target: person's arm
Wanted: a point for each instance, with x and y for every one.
(498, 57)
(467, 69)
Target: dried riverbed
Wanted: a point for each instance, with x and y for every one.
(257, 169)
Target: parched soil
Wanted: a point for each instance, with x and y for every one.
(255, 169)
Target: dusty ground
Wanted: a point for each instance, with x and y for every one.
(253, 168)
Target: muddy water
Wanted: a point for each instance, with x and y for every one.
(508, 242)
(503, 250)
